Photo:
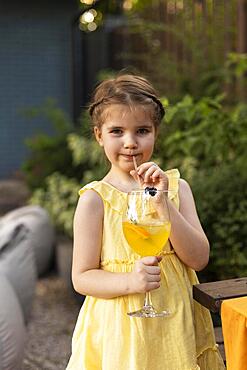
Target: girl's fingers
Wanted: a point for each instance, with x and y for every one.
(159, 258)
(156, 174)
(147, 273)
(145, 166)
(136, 177)
(152, 175)
(153, 285)
(150, 260)
(150, 172)
(152, 270)
(153, 278)
(148, 176)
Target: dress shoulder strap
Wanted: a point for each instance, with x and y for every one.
(110, 195)
(173, 187)
(88, 186)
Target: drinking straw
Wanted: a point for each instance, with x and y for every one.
(135, 166)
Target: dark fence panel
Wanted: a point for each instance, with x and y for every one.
(176, 43)
(182, 38)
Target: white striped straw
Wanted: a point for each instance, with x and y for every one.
(135, 166)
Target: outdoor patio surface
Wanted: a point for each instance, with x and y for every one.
(51, 325)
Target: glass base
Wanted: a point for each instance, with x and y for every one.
(149, 311)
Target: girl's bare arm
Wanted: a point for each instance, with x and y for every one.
(87, 277)
(187, 236)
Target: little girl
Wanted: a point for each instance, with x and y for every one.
(126, 113)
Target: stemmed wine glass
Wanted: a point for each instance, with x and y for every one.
(146, 227)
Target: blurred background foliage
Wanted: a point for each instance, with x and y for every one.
(204, 132)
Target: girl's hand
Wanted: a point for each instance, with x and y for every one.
(150, 174)
(145, 275)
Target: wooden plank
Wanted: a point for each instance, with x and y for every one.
(222, 351)
(218, 335)
(211, 295)
(220, 341)
(242, 26)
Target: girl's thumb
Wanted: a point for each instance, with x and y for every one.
(159, 258)
(151, 260)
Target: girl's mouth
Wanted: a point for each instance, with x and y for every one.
(129, 157)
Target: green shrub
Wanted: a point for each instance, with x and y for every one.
(59, 197)
(59, 193)
(87, 153)
(49, 153)
(221, 197)
(207, 141)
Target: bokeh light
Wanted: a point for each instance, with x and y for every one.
(91, 26)
(171, 7)
(127, 4)
(87, 17)
(87, 2)
(90, 20)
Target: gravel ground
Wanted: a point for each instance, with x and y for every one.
(51, 325)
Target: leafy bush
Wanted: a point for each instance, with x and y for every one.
(59, 197)
(49, 153)
(221, 196)
(89, 154)
(199, 135)
(207, 141)
(59, 193)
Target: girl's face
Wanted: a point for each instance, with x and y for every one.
(126, 132)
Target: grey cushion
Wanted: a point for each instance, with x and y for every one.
(12, 328)
(17, 263)
(42, 236)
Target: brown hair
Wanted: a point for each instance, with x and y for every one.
(125, 89)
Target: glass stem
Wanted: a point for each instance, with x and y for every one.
(148, 300)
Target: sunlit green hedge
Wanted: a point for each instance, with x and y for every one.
(207, 141)
(221, 195)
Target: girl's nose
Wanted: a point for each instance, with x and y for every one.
(130, 143)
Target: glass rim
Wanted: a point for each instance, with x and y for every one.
(140, 191)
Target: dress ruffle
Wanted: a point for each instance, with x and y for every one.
(109, 192)
(210, 355)
(173, 177)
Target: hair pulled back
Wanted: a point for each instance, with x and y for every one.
(125, 89)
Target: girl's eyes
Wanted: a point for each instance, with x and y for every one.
(143, 131)
(140, 131)
(116, 131)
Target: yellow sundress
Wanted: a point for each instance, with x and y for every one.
(106, 338)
